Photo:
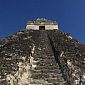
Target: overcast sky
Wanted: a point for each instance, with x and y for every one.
(70, 14)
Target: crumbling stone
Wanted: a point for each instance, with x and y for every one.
(40, 57)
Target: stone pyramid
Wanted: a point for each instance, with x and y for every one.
(41, 57)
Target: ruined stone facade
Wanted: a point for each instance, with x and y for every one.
(41, 24)
(41, 57)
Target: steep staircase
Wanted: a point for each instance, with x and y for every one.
(44, 69)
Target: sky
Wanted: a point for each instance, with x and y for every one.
(70, 15)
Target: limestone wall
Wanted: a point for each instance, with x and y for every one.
(34, 27)
(47, 27)
(51, 27)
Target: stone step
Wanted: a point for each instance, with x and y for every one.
(52, 80)
(46, 64)
(38, 81)
(57, 71)
(39, 76)
(45, 53)
(41, 65)
(47, 60)
(46, 67)
(55, 75)
(46, 76)
(45, 57)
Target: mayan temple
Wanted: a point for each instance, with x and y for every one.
(41, 54)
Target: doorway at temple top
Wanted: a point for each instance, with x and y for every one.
(41, 27)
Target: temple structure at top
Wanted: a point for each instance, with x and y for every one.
(42, 24)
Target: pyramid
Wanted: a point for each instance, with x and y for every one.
(42, 57)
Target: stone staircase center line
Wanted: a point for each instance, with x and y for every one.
(47, 71)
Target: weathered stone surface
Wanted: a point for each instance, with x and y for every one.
(41, 57)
